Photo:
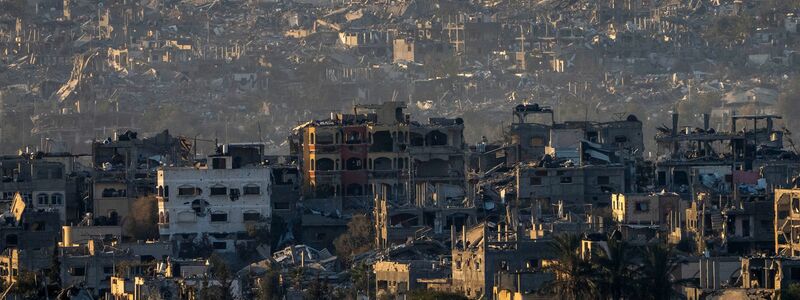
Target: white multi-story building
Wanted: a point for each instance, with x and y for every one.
(216, 205)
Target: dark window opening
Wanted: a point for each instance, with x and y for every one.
(77, 271)
(251, 216)
(219, 217)
(219, 191)
(218, 163)
(188, 191)
(220, 245)
(436, 138)
(325, 164)
(603, 180)
(536, 180)
(566, 179)
(354, 164)
(252, 190)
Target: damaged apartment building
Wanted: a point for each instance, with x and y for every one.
(221, 206)
(576, 162)
(729, 176)
(45, 181)
(125, 168)
(344, 159)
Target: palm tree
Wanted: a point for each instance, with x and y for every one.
(615, 274)
(574, 274)
(656, 273)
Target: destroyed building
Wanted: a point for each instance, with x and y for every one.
(28, 237)
(483, 251)
(686, 153)
(125, 168)
(45, 180)
(346, 157)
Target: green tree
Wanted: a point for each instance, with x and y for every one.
(142, 223)
(656, 273)
(575, 276)
(792, 292)
(269, 286)
(358, 239)
(219, 270)
(616, 273)
(27, 286)
(363, 281)
(318, 289)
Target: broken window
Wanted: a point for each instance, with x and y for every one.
(381, 142)
(251, 216)
(354, 163)
(77, 271)
(234, 194)
(680, 178)
(325, 164)
(382, 164)
(324, 139)
(188, 191)
(745, 228)
(57, 198)
(219, 191)
(353, 137)
(42, 198)
(416, 139)
(436, 138)
(252, 190)
(11, 240)
(219, 217)
(218, 163)
(199, 207)
(57, 173)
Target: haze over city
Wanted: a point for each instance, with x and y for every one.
(404, 149)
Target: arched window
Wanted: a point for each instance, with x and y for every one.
(57, 198)
(354, 163)
(382, 164)
(42, 198)
(325, 164)
(436, 138)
